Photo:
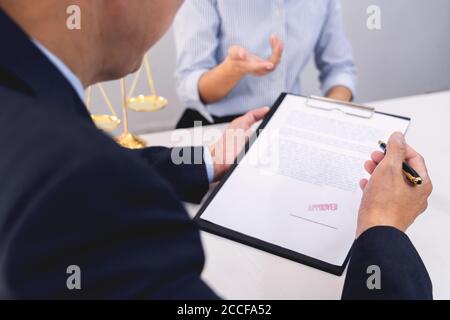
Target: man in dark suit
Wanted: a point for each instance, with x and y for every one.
(69, 196)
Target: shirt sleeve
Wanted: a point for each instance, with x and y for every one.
(333, 52)
(196, 31)
(209, 164)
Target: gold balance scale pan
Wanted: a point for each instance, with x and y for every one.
(127, 139)
(147, 103)
(143, 103)
(105, 122)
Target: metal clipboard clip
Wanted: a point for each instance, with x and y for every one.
(348, 108)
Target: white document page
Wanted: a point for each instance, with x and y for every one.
(298, 185)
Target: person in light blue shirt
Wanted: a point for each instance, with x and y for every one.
(236, 55)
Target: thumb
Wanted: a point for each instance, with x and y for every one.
(259, 114)
(246, 121)
(396, 149)
(237, 52)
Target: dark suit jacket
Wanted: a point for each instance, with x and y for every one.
(70, 196)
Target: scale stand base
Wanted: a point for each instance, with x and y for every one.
(129, 141)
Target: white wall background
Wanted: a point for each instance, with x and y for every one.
(410, 55)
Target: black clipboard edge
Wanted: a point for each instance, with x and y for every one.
(247, 147)
(256, 243)
(271, 248)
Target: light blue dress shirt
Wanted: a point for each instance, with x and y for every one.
(61, 66)
(205, 29)
(78, 87)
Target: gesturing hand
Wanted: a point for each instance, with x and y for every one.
(389, 199)
(247, 63)
(225, 151)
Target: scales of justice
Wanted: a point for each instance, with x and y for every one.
(140, 103)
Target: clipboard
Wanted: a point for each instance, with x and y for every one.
(350, 109)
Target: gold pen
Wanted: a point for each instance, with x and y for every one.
(409, 172)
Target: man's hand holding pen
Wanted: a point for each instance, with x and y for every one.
(389, 199)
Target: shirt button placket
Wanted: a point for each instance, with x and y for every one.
(280, 31)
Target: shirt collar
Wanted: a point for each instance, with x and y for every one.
(67, 73)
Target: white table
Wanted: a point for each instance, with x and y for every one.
(236, 271)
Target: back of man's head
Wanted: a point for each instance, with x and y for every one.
(112, 37)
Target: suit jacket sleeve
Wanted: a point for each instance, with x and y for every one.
(183, 167)
(125, 229)
(402, 272)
